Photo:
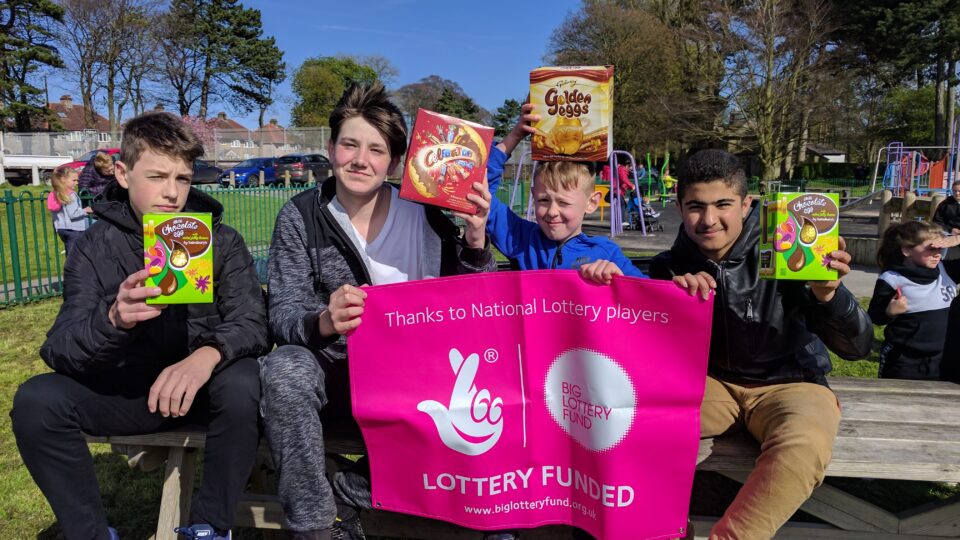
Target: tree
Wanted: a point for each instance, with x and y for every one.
(424, 94)
(386, 72)
(778, 62)
(318, 84)
(213, 49)
(908, 115)
(26, 45)
(506, 117)
(139, 64)
(125, 20)
(266, 71)
(907, 40)
(80, 41)
(459, 106)
(646, 75)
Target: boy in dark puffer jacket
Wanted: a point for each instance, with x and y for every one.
(768, 348)
(123, 367)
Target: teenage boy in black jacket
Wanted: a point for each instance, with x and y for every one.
(124, 367)
(768, 362)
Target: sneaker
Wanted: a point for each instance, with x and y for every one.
(201, 532)
(348, 529)
(501, 536)
(113, 533)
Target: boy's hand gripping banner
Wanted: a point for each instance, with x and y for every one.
(520, 399)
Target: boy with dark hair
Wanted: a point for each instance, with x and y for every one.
(768, 359)
(329, 241)
(125, 367)
(563, 193)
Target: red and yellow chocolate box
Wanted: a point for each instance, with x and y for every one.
(575, 105)
(446, 156)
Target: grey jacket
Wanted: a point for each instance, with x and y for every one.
(71, 216)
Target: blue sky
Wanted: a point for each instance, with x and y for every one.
(487, 47)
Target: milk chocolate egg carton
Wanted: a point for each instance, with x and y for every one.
(178, 255)
(798, 232)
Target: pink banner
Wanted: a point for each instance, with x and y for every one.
(517, 399)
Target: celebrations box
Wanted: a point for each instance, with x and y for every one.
(798, 231)
(178, 253)
(446, 156)
(575, 105)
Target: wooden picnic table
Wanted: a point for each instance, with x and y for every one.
(889, 429)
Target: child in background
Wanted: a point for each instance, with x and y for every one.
(563, 193)
(69, 218)
(647, 208)
(97, 175)
(912, 297)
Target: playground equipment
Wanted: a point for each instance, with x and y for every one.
(908, 169)
(658, 185)
(907, 206)
(516, 185)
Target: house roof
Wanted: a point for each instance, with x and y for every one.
(71, 116)
(270, 133)
(222, 122)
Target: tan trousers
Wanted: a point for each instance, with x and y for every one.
(795, 424)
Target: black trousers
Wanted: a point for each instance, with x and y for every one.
(52, 411)
(69, 238)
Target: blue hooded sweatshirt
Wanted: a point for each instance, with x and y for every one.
(523, 241)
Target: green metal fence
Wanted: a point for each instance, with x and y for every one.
(32, 255)
(850, 187)
(31, 258)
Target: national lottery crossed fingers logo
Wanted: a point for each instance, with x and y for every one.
(473, 421)
(587, 393)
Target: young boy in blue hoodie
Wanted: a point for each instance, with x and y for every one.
(563, 193)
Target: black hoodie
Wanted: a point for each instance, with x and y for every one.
(82, 339)
(768, 331)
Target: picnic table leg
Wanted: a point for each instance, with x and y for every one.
(177, 492)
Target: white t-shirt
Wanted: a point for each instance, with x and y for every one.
(395, 255)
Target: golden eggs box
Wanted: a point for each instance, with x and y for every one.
(575, 105)
(446, 156)
(798, 231)
(178, 253)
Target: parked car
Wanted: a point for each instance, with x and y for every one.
(247, 173)
(205, 173)
(82, 161)
(299, 164)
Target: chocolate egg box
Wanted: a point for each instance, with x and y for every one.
(798, 231)
(178, 255)
(575, 104)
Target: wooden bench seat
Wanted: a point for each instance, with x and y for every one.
(901, 430)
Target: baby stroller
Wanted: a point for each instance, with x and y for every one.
(637, 210)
